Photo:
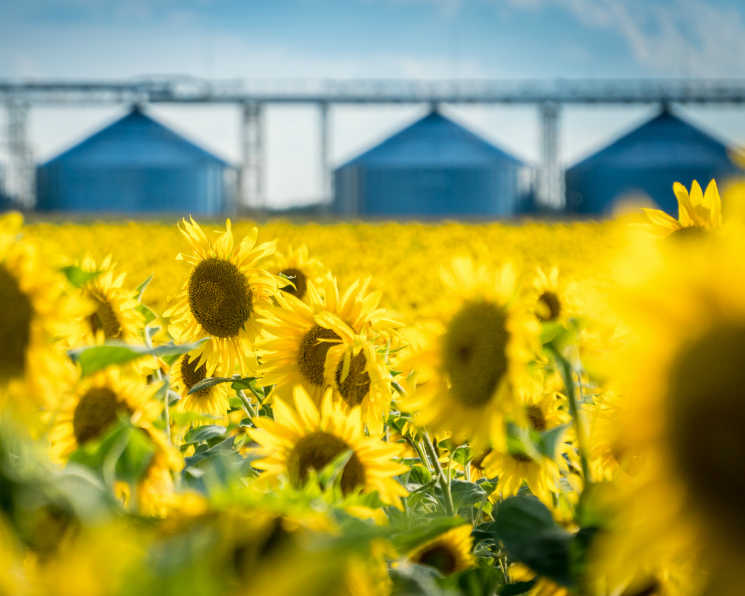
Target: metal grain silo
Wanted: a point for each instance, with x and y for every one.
(647, 161)
(135, 165)
(433, 168)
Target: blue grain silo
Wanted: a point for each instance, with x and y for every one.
(135, 165)
(433, 168)
(647, 161)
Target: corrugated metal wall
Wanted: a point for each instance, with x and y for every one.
(432, 168)
(135, 165)
(646, 162)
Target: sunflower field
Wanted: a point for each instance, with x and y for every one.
(374, 409)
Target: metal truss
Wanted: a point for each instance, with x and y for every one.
(18, 96)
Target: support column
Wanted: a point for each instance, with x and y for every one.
(327, 182)
(251, 189)
(21, 179)
(550, 183)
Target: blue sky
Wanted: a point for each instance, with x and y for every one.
(370, 39)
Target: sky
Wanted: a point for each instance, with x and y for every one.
(369, 39)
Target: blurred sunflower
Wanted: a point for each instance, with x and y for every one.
(222, 298)
(543, 411)
(550, 297)
(698, 214)
(449, 552)
(95, 406)
(470, 366)
(34, 312)
(296, 265)
(300, 335)
(308, 438)
(682, 378)
(115, 314)
(185, 373)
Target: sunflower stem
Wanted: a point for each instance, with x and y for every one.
(246, 404)
(574, 410)
(420, 453)
(444, 482)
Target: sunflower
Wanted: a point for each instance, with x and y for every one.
(682, 378)
(698, 214)
(471, 364)
(543, 411)
(551, 297)
(115, 314)
(222, 298)
(185, 373)
(95, 406)
(308, 438)
(449, 553)
(299, 268)
(299, 340)
(34, 311)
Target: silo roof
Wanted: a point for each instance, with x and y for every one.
(433, 142)
(663, 141)
(136, 140)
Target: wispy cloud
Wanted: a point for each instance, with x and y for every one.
(668, 37)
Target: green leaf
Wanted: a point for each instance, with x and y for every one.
(475, 581)
(136, 457)
(530, 535)
(77, 277)
(242, 384)
(331, 472)
(143, 286)
(235, 403)
(484, 531)
(466, 493)
(94, 358)
(146, 312)
(430, 528)
(489, 486)
(551, 439)
(198, 434)
(418, 477)
(518, 588)
(209, 382)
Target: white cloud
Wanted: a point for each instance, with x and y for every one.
(668, 37)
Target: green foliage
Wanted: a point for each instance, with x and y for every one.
(529, 533)
(201, 434)
(95, 358)
(78, 277)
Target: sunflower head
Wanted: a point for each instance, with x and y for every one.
(308, 438)
(113, 310)
(448, 553)
(307, 343)
(187, 372)
(699, 214)
(470, 367)
(295, 265)
(35, 311)
(94, 407)
(222, 298)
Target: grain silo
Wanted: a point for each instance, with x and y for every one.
(135, 165)
(646, 162)
(433, 168)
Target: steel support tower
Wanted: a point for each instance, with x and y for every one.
(550, 182)
(251, 178)
(21, 174)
